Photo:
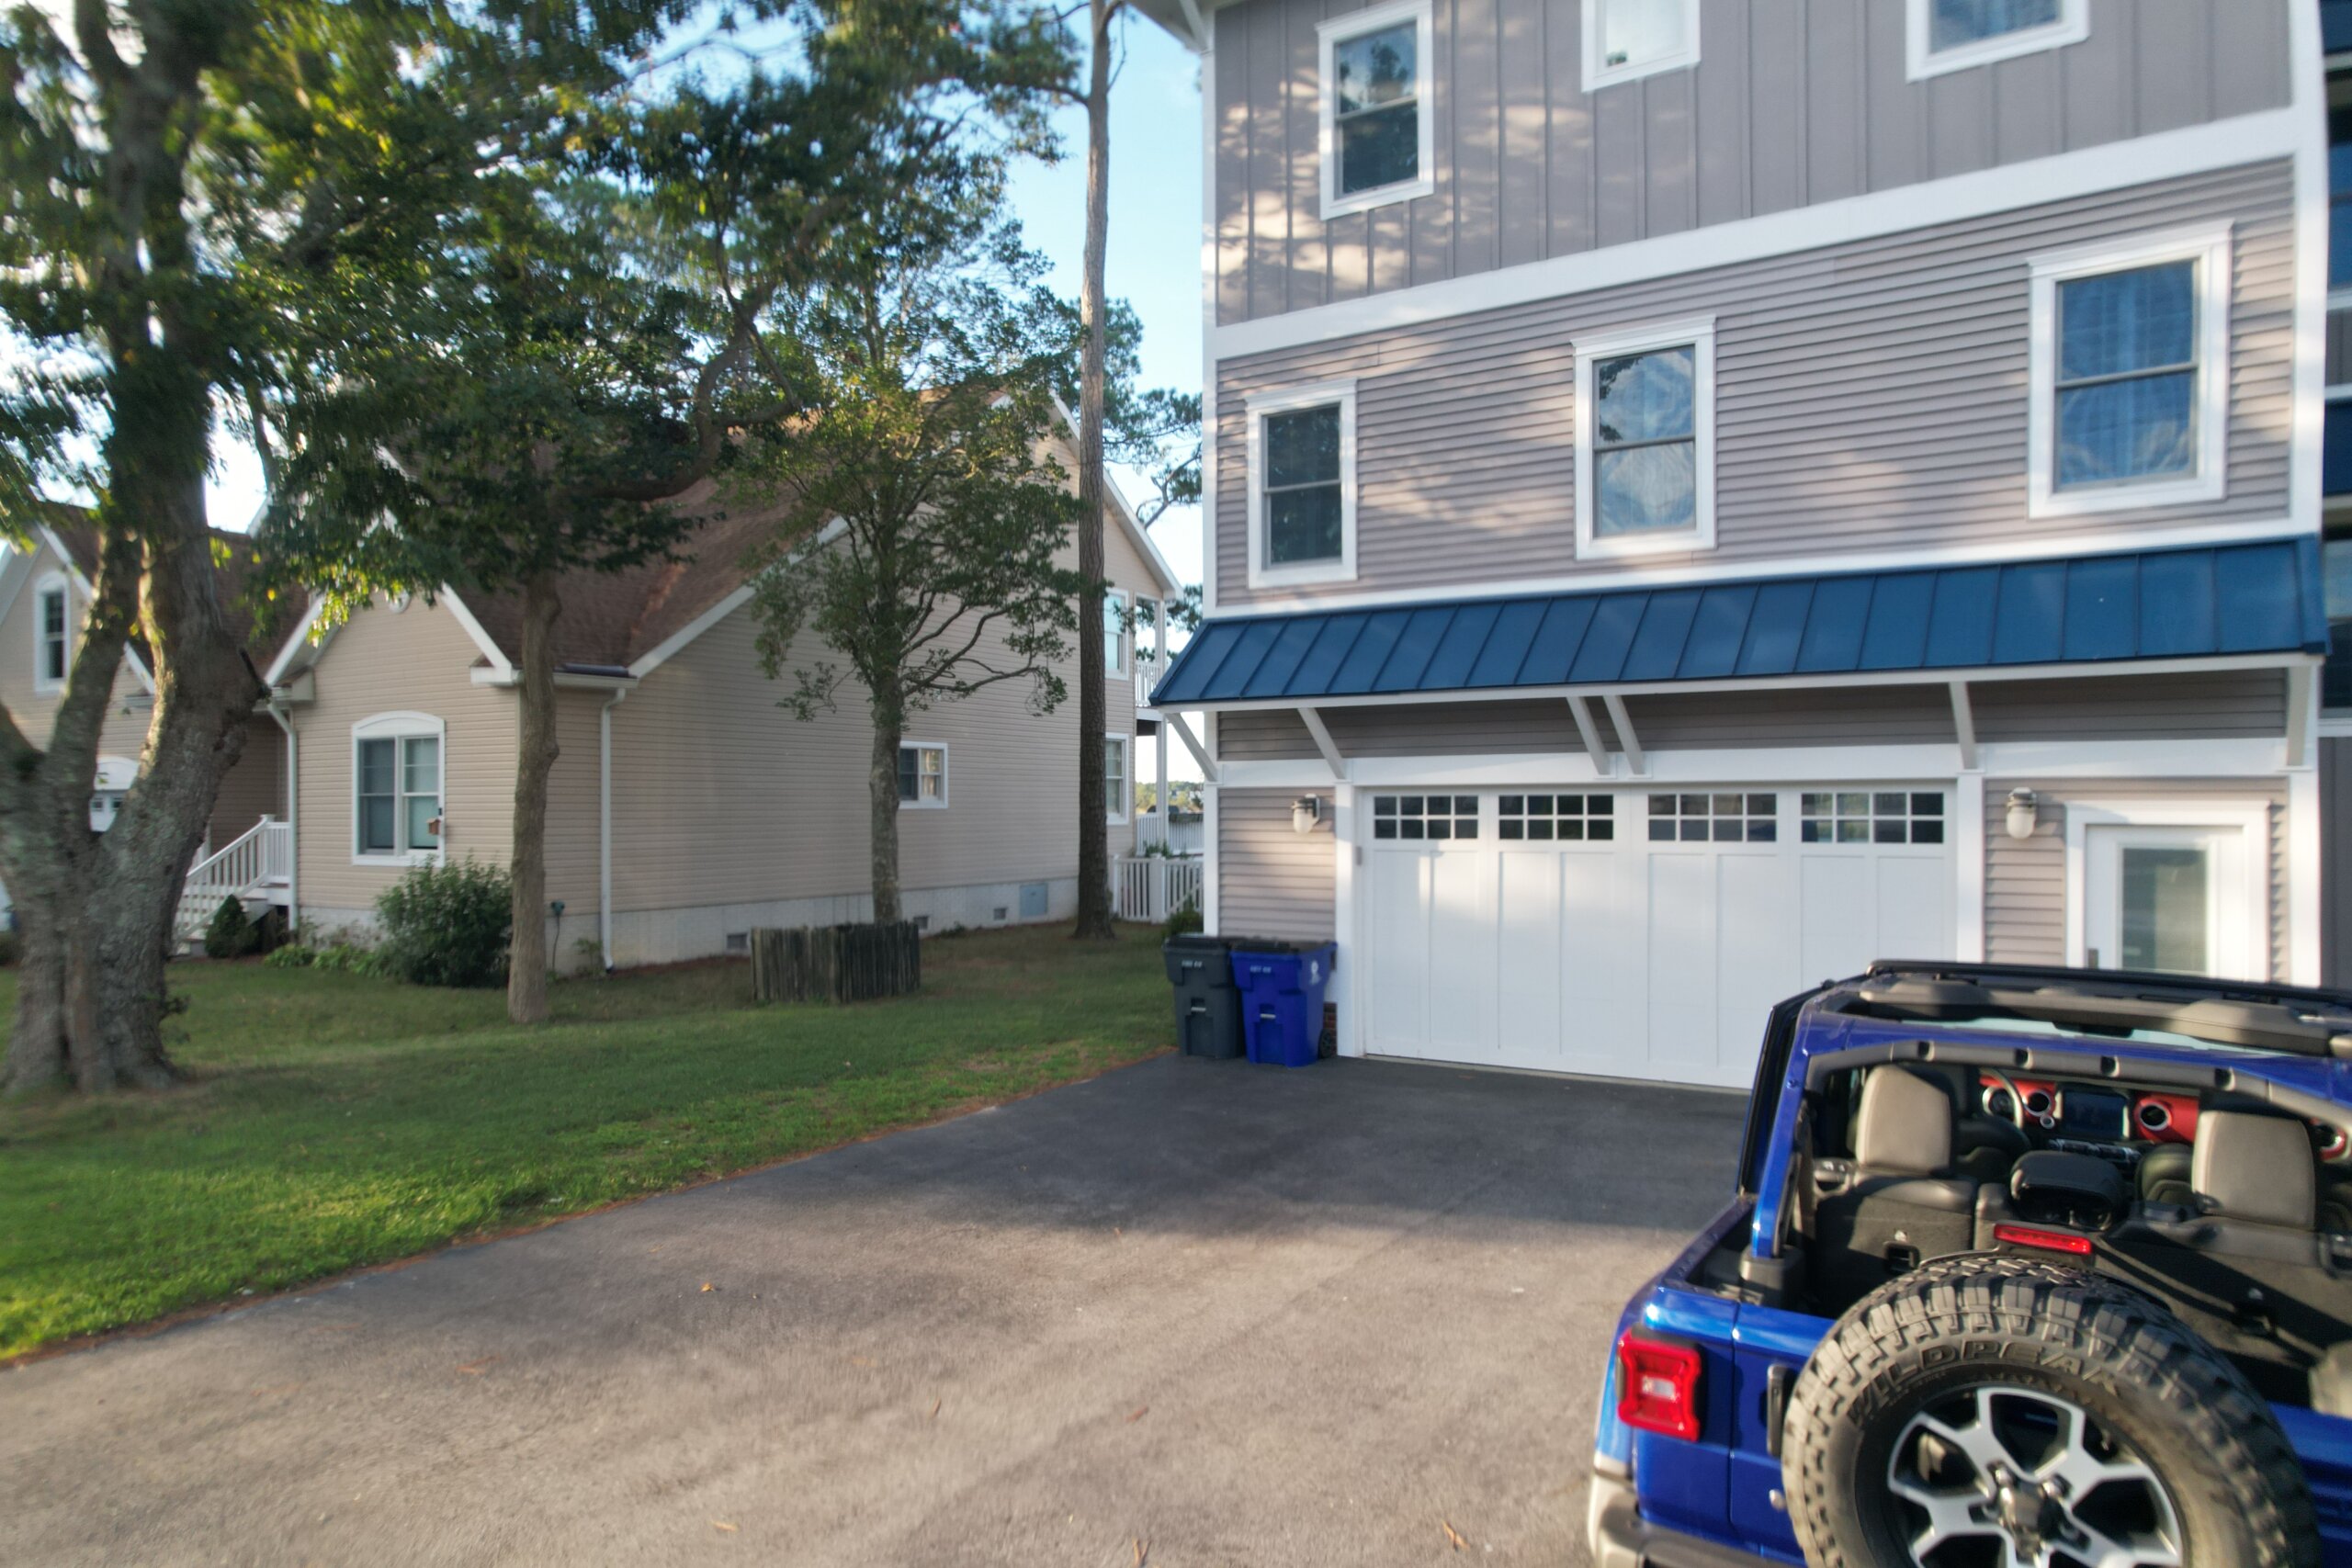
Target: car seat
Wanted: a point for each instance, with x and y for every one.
(1900, 1200)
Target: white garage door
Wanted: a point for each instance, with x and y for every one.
(1636, 934)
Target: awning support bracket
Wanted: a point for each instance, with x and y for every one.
(1324, 743)
(2298, 715)
(1964, 725)
(1184, 728)
(1589, 732)
(1627, 741)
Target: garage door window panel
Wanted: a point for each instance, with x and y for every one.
(1557, 818)
(1871, 816)
(1424, 818)
(1718, 817)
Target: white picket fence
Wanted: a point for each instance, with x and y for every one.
(1153, 888)
(257, 861)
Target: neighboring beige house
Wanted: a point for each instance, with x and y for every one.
(686, 807)
(44, 594)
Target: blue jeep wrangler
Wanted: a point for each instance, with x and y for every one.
(2026, 1267)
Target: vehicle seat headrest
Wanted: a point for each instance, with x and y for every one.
(1904, 1127)
(2251, 1167)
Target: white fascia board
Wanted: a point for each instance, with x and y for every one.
(2244, 139)
(465, 617)
(1165, 574)
(1602, 577)
(663, 651)
(2235, 758)
(293, 644)
(1604, 689)
(566, 680)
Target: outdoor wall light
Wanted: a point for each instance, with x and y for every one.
(2024, 809)
(1305, 812)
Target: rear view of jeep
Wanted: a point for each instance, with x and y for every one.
(2027, 1267)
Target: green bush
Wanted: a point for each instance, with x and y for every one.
(231, 935)
(1184, 922)
(335, 958)
(446, 925)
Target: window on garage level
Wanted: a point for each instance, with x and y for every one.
(1377, 129)
(923, 774)
(1424, 815)
(1723, 818)
(1571, 819)
(1871, 816)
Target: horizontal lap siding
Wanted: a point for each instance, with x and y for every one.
(2139, 707)
(124, 733)
(419, 659)
(1868, 396)
(254, 786)
(2025, 880)
(1273, 880)
(1793, 102)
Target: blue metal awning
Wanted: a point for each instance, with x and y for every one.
(2229, 600)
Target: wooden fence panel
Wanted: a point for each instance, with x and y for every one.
(835, 964)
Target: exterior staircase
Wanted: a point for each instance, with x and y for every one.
(257, 863)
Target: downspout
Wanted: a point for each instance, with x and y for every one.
(604, 825)
(293, 820)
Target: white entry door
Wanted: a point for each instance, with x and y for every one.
(1634, 932)
(2171, 900)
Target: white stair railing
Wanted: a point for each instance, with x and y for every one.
(1153, 888)
(260, 857)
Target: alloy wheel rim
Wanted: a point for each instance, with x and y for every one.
(1997, 1476)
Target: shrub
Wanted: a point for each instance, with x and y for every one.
(1184, 921)
(231, 935)
(446, 925)
(335, 958)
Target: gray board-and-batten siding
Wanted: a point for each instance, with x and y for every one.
(1792, 102)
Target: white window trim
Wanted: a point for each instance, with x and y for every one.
(1120, 662)
(51, 583)
(2073, 25)
(2211, 249)
(1338, 30)
(1127, 776)
(1257, 406)
(1699, 331)
(947, 778)
(2251, 818)
(1598, 76)
(403, 727)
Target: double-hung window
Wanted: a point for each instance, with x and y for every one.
(1115, 778)
(52, 634)
(397, 770)
(1376, 127)
(923, 775)
(1645, 437)
(1625, 39)
(1953, 34)
(1114, 634)
(1303, 485)
(2129, 386)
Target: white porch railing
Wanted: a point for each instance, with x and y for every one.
(258, 862)
(1153, 888)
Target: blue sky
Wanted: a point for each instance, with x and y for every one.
(1155, 251)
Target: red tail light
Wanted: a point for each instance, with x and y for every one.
(2048, 1241)
(1658, 1386)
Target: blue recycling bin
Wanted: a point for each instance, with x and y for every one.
(1282, 998)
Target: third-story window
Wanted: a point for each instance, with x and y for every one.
(1626, 38)
(1645, 468)
(1114, 634)
(2130, 385)
(1302, 504)
(1377, 140)
(1952, 35)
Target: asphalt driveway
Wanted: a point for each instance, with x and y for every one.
(1238, 1315)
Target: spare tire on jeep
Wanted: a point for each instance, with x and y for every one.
(1994, 1409)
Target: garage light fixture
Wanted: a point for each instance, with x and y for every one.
(1305, 812)
(2024, 810)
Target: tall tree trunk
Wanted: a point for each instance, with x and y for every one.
(882, 802)
(526, 959)
(1093, 831)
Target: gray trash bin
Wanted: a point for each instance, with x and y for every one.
(1208, 1004)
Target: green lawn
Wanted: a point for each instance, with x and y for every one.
(334, 1121)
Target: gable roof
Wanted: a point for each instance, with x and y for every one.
(265, 622)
